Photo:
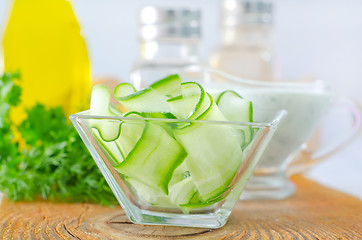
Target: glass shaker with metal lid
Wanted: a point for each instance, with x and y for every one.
(169, 42)
(246, 49)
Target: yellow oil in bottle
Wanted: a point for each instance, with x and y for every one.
(43, 41)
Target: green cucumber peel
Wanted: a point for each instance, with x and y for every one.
(168, 86)
(131, 132)
(124, 91)
(100, 105)
(237, 109)
(185, 106)
(120, 92)
(182, 191)
(251, 112)
(212, 201)
(219, 96)
(165, 115)
(151, 99)
(157, 152)
(208, 105)
(168, 126)
(116, 112)
(145, 100)
(111, 148)
(217, 151)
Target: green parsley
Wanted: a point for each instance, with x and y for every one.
(54, 165)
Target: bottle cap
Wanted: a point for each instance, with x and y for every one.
(156, 22)
(236, 12)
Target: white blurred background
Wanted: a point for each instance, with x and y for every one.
(312, 38)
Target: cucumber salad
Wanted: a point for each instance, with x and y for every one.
(179, 163)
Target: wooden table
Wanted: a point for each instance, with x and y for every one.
(315, 212)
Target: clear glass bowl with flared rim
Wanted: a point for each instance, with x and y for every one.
(180, 172)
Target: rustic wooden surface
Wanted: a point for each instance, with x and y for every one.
(315, 212)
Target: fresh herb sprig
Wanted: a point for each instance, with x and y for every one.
(54, 164)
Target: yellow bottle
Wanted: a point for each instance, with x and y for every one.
(43, 41)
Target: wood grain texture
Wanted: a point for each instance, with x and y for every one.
(315, 212)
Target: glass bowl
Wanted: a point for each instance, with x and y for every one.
(189, 178)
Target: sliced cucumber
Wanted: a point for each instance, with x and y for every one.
(183, 107)
(100, 99)
(131, 132)
(124, 89)
(181, 172)
(177, 193)
(181, 164)
(214, 153)
(115, 111)
(182, 191)
(112, 148)
(165, 115)
(187, 105)
(146, 100)
(153, 159)
(100, 105)
(237, 109)
(169, 86)
(150, 195)
(198, 203)
(181, 187)
(234, 107)
(151, 99)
